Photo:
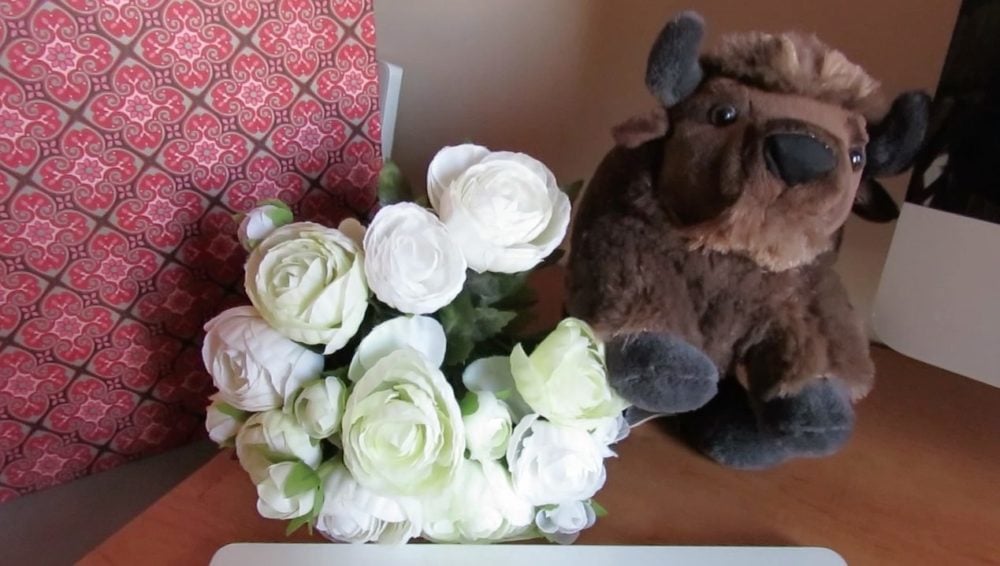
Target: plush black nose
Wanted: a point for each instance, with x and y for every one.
(798, 158)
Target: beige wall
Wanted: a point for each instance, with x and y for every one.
(549, 77)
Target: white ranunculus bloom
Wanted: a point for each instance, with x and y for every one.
(320, 406)
(479, 506)
(308, 282)
(273, 501)
(223, 421)
(608, 431)
(493, 374)
(504, 209)
(421, 333)
(402, 430)
(552, 464)
(254, 367)
(564, 379)
(353, 513)
(411, 262)
(261, 221)
(273, 436)
(562, 523)
(487, 427)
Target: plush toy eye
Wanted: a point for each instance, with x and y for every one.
(857, 157)
(723, 114)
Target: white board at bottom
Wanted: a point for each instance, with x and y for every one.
(258, 554)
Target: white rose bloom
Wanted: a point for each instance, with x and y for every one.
(320, 406)
(479, 506)
(308, 282)
(411, 262)
(261, 221)
(487, 427)
(563, 523)
(504, 209)
(492, 374)
(610, 431)
(402, 430)
(420, 333)
(552, 464)
(273, 501)
(254, 367)
(273, 436)
(565, 379)
(222, 420)
(353, 513)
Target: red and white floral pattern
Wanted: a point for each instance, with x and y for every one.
(131, 131)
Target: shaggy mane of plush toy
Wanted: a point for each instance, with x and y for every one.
(799, 64)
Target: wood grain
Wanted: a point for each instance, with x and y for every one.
(919, 483)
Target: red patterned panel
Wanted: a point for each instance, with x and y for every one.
(131, 131)
(59, 56)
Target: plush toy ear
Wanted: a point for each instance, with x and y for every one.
(893, 144)
(673, 70)
(638, 130)
(873, 202)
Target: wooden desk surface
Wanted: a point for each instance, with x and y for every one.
(918, 484)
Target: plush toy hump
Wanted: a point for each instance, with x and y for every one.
(795, 63)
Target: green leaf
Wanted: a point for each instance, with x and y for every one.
(458, 314)
(276, 203)
(459, 349)
(296, 524)
(490, 321)
(599, 509)
(458, 319)
(469, 404)
(392, 186)
(281, 216)
(230, 411)
(301, 480)
(573, 189)
(492, 288)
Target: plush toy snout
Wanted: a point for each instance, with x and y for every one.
(797, 159)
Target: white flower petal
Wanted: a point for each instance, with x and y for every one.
(503, 209)
(448, 164)
(402, 430)
(420, 333)
(254, 367)
(412, 262)
(307, 281)
(493, 374)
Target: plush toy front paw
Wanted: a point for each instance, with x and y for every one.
(660, 373)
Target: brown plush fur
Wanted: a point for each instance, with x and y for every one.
(690, 234)
(794, 63)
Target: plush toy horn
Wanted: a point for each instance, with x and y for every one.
(893, 145)
(673, 71)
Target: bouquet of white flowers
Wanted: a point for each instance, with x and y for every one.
(377, 391)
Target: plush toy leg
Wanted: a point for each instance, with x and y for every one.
(816, 422)
(660, 373)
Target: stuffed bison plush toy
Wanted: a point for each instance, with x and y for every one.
(703, 248)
